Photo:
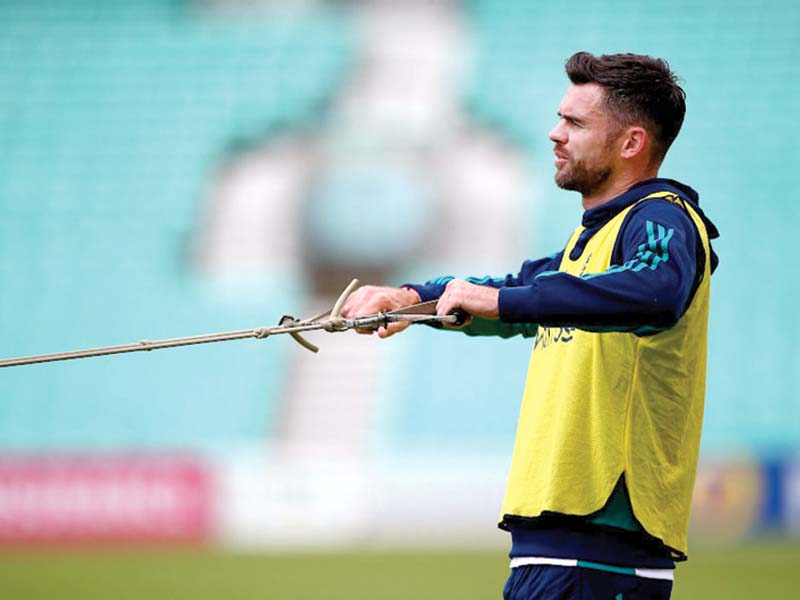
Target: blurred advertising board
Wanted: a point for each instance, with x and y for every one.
(260, 500)
(103, 499)
(735, 498)
(792, 497)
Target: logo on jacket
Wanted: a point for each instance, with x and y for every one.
(546, 336)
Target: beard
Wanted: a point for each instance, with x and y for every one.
(584, 178)
(579, 177)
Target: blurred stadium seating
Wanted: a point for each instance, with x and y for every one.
(113, 117)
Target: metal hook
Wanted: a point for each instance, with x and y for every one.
(287, 320)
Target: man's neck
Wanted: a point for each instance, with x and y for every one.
(616, 186)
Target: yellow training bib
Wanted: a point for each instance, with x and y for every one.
(600, 405)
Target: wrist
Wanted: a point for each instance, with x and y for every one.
(412, 295)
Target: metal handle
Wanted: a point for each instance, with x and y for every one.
(461, 316)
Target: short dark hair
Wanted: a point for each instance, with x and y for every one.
(639, 89)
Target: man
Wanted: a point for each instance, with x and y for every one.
(604, 462)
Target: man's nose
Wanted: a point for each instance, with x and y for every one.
(557, 134)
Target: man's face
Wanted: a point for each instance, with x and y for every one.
(584, 140)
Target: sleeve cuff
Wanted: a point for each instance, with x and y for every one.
(426, 292)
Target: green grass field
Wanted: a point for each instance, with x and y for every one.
(766, 571)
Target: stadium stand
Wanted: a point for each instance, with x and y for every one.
(115, 115)
(113, 118)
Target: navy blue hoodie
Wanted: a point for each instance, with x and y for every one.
(642, 301)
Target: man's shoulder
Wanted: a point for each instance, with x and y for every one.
(659, 217)
(665, 185)
(666, 210)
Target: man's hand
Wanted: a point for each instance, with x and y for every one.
(478, 300)
(372, 299)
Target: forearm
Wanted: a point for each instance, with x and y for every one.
(433, 289)
(624, 301)
(649, 290)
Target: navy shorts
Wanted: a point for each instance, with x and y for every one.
(548, 582)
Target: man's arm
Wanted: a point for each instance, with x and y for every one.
(373, 299)
(433, 289)
(646, 293)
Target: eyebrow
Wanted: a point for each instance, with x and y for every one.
(571, 118)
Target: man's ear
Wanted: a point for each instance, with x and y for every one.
(634, 141)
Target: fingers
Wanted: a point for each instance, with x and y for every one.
(370, 300)
(475, 300)
(355, 301)
(392, 328)
(450, 301)
(452, 298)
